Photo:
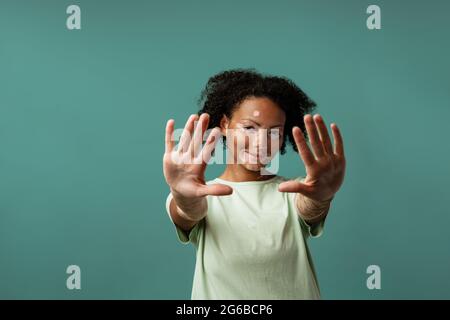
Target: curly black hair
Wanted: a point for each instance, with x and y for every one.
(226, 90)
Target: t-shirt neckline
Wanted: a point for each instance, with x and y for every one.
(242, 183)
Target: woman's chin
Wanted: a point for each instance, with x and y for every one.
(253, 167)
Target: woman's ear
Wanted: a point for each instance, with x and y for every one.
(224, 123)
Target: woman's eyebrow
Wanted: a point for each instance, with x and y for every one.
(278, 125)
(246, 119)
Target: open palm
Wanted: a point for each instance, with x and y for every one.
(184, 168)
(325, 168)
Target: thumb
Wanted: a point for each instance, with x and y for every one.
(215, 190)
(295, 186)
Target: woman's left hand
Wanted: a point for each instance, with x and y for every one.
(325, 168)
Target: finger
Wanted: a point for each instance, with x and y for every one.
(186, 136)
(314, 136)
(169, 133)
(324, 136)
(302, 147)
(214, 190)
(295, 186)
(338, 141)
(197, 138)
(210, 145)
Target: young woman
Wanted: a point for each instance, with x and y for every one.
(250, 228)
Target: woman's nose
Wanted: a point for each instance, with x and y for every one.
(259, 141)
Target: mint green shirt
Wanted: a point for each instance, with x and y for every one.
(252, 245)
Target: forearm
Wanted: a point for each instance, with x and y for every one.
(187, 212)
(310, 210)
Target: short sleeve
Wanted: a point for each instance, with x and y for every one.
(312, 230)
(183, 236)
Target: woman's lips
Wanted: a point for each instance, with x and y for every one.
(252, 158)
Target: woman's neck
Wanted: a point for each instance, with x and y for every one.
(238, 173)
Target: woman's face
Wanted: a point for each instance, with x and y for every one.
(254, 133)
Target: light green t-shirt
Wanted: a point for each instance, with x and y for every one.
(252, 245)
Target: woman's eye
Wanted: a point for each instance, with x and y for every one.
(274, 134)
(249, 128)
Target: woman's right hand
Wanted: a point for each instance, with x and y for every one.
(184, 168)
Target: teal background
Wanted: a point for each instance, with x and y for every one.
(82, 116)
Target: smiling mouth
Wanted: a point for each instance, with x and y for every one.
(253, 158)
